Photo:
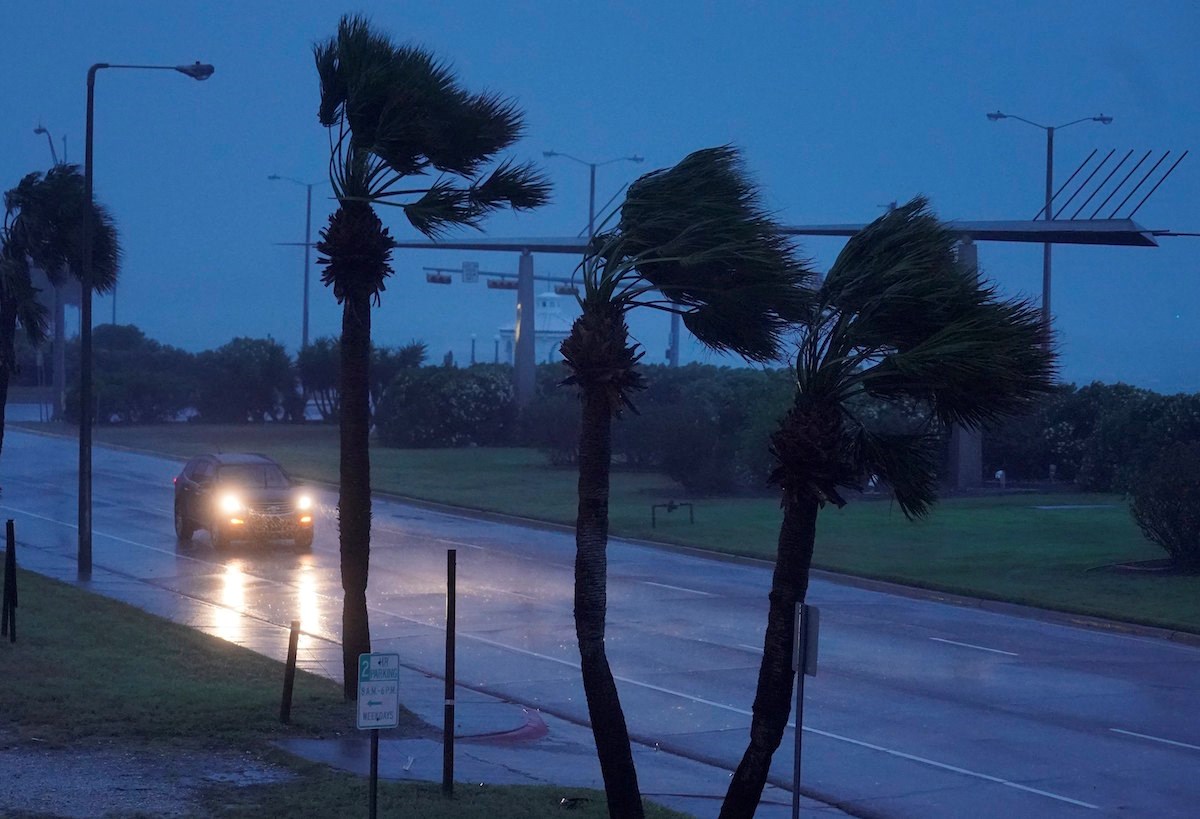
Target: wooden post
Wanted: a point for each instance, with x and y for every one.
(8, 608)
(289, 674)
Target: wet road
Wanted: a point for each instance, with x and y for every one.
(921, 709)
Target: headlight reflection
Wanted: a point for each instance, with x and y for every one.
(233, 603)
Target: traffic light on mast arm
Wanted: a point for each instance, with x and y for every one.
(502, 284)
(437, 278)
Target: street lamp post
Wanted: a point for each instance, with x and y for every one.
(1049, 129)
(307, 249)
(592, 166)
(197, 71)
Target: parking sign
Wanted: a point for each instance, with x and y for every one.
(378, 691)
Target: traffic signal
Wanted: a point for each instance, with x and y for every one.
(502, 284)
(566, 290)
(437, 278)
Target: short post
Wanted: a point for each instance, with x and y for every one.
(448, 716)
(289, 674)
(8, 608)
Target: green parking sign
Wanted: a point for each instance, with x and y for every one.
(378, 691)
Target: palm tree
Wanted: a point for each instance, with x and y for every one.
(395, 112)
(43, 219)
(897, 319)
(691, 240)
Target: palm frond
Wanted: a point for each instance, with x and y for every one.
(520, 187)
(698, 234)
(907, 463)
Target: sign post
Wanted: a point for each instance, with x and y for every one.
(804, 663)
(378, 706)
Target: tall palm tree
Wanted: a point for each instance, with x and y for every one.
(395, 112)
(43, 227)
(896, 319)
(691, 240)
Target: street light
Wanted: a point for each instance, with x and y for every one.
(307, 245)
(50, 141)
(197, 71)
(592, 166)
(1049, 129)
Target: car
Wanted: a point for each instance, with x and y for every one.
(241, 496)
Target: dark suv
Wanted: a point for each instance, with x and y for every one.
(241, 496)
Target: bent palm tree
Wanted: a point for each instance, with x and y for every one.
(691, 240)
(43, 227)
(394, 112)
(896, 319)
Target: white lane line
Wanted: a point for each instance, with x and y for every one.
(669, 691)
(977, 648)
(677, 588)
(955, 769)
(755, 649)
(456, 543)
(1155, 739)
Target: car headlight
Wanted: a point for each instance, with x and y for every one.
(231, 503)
(304, 502)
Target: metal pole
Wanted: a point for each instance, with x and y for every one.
(307, 244)
(592, 202)
(524, 359)
(448, 716)
(84, 557)
(673, 354)
(372, 799)
(798, 664)
(1046, 247)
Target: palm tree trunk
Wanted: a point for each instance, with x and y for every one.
(773, 699)
(591, 604)
(354, 494)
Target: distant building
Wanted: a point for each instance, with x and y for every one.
(550, 327)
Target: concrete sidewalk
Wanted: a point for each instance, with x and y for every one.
(497, 741)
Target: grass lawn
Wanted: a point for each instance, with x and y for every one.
(65, 684)
(1001, 547)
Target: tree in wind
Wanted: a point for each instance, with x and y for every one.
(43, 228)
(395, 113)
(896, 319)
(691, 240)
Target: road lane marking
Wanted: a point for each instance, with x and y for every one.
(676, 588)
(645, 685)
(954, 768)
(977, 648)
(1155, 739)
(755, 649)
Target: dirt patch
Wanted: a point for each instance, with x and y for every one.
(111, 779)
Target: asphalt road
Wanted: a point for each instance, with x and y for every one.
(920, 709)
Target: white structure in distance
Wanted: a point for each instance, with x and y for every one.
(550, 325)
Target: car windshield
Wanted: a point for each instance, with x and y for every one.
(268, 476)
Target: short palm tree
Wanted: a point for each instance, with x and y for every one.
(896, 319)
(692, 240)
(394, 112)
(43, 223)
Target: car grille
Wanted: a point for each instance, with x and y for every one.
(275, 508)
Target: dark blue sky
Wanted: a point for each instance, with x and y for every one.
(839, 107)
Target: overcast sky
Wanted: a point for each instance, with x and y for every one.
(840, 108)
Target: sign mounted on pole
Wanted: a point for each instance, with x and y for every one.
(378, 691)
(470, 272)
